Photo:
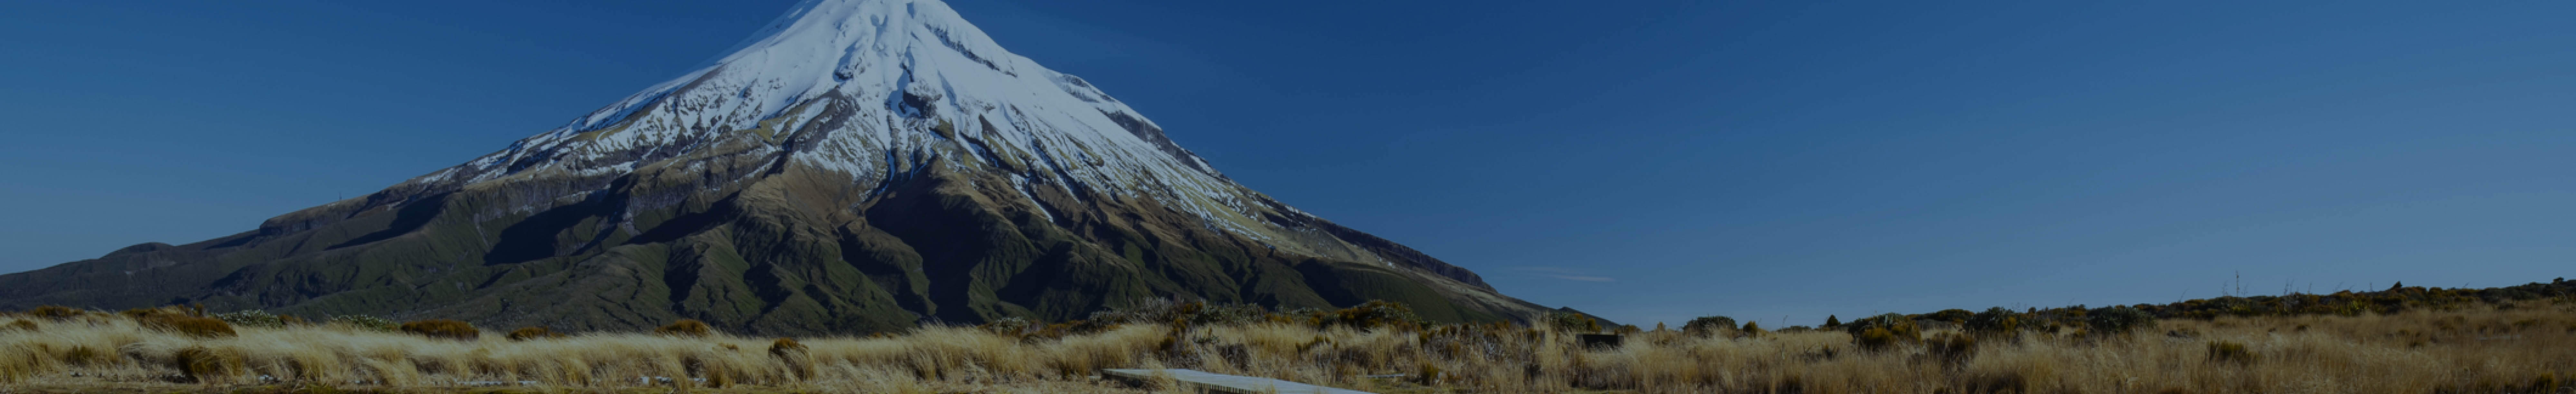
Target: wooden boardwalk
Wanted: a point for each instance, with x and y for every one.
(1193, 380)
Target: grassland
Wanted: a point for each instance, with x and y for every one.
(2510, 347)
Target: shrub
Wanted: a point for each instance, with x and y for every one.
(1164, 310)
(1899, 328)
(1951, 315)
(1832, 323)
(1008, 326)
(686, 328)
(1752, 329)
(1377, 314)
(1705, 326)
(1952, 347)
(1994, 321)
(252, 318)
(55, 312)
(1228, 314)
(365, 322)
(443, 328)
(2119, 320)
(1572, 322)
(533, 333)
(2225, 351)
(1875, 339)
(19, 325)
(200, 327)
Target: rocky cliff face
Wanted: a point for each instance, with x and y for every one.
(860, 165)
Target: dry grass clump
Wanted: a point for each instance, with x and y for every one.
(533, 333)
(192, 326)
(687, 328)
(2466, 350)
(443, 328)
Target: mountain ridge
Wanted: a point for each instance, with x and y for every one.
(858, 165)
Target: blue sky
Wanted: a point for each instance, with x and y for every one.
(1646, 161)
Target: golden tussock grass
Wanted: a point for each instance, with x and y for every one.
(2484, 350)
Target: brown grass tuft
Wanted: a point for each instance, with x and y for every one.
(193, 326)
(54, 312)
(443, 328)
(2225, 351)
(686, 328)
(201, 364)
(533, 333)
(19, 325)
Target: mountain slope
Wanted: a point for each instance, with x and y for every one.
(860, 165)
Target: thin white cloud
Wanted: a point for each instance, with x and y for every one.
(1566, 274)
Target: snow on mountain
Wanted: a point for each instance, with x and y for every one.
(926, 80)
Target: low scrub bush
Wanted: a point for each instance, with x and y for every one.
(364, 322)
(54, 312)
(1955, 316)
(686, 328)
(443, 328)
(1875, 339)
(1011, 326)
(1994, 321)
(19, 325)
(1572, 322)
(1706, 326)
(252, 318)
(533, 333)
(1899, 328)
(1378, 314)
(2119, 320)
(199, 327)
(1952, 347)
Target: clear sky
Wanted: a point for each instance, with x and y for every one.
(1646, 161)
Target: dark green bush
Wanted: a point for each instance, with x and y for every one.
(1898, 326)
(1377, 314)
(252, 318)
(1573, 322)
(1708, 325)
(2119, 320)
(1994, 321)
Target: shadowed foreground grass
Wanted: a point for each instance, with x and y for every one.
(2529, 347)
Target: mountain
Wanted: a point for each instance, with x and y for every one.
(859, 165)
